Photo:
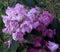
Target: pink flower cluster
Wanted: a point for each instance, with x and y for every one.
(19, 20)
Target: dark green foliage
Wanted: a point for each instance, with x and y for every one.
(36, 33)
(21, 48)
(28, 37)
(56, 25)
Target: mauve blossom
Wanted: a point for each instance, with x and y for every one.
(10, 11)
(46, 18)
(41, 27)
(15, 14)
(18, 35)
(8, 43)
(26, 26)
(49, 32)
(35, 10)
(21, 9)
(7, 30)
(17, 9)
(14, 25)
(11, 27)
(35, 24)
(6, 20)
(37, 42)
(17, 17)
(33, 13)
(52, 46)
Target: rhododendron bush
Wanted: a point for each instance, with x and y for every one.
(30, 29)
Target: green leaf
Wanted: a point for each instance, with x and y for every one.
(21, 48)
(14, 46)
(24, 50)
(5, 48)
(29, 38)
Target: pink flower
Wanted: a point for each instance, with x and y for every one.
(6, 20)
(17, 17)
(35, 24)
(41, 27)
(10, 11)
(7, 30)
(14, 25)
(46, 18)
(49, 32)
(33, 13)
(37, 42)
(11, 27)
(52, 46)
(16, 13)
(18, 35)
(26, 26)
(20, 9)
(35, 10)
